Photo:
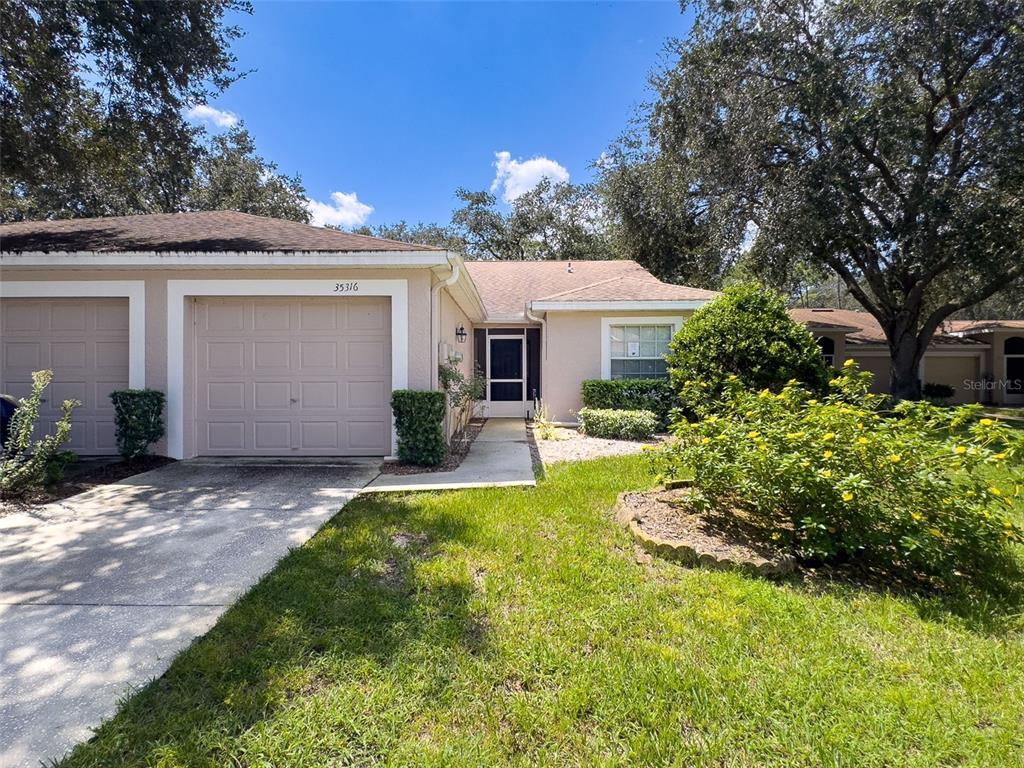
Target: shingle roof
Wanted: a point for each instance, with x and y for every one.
(209, 231)
(866, 327)
(982, 326)
(507, 286)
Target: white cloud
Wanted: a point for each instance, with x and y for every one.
(344, 210)
(204, 113)
(514, 177)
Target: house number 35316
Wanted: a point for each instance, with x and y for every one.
(346, 287)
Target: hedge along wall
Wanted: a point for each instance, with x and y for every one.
(654, 395)
(419, 421)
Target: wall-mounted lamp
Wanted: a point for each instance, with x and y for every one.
(460, 333)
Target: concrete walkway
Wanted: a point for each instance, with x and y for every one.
(499, 456)
(98, 592)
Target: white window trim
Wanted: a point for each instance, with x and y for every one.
(179, 290)
(133, 290)
(606, 343)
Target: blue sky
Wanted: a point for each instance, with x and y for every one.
(399, 104)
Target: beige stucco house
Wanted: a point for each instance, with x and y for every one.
(983, 361)
(274, 338)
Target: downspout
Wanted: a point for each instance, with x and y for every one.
(435, 320)
(543, 341)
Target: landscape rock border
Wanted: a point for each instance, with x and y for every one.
(690, 554)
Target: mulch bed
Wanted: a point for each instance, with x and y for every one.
(664, 524)
(456, 453)
(78, 480)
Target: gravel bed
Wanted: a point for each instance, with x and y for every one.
(572, 446)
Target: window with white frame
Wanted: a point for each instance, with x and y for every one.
(637, 351)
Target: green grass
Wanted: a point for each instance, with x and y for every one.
(516, 627)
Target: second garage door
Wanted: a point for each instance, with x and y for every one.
(293, 377)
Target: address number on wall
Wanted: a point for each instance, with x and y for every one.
(346, 287)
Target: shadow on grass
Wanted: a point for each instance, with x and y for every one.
(347, 604)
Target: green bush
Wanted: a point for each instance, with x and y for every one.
(937, 393)
(923, 492)
(138, 420)
(419, 420)
(656, 395)
(617, 425)
(746, 333)
(25, 465)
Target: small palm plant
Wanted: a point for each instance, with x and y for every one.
(543, 425)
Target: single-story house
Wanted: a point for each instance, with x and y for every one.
(982, 360)
(272, 338)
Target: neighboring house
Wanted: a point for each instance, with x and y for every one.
(276, 338)
(982, 360)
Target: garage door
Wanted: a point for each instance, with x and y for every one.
(293, 377)
(85, 343)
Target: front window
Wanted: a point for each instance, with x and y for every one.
(638, 351)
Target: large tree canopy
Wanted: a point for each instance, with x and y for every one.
(91, 100)
(883, 140)
(231, 176)
(551, 221)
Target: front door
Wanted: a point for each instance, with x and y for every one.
(506, 376)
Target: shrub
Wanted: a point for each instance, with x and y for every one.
(746, 333)
(138, 420)
(937, 393)
(656, 395)
(25, 465)
(419, 420)
(463, 392)
(617, 425)
(922, 491)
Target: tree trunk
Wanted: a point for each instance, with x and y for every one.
(905, 368)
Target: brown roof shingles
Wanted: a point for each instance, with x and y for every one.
(507, 286)
(198, 231)
(866, 327)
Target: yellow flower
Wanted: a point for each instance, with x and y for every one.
(999, 456)
(753, 433)
(961, 450)
(776, 536)
(986, 422)
(935, 532)
(825, 473)
(847, 496)
(829, 454)
(895, 458)
(829, 436)
(705, 441)
(862, 440)
(995, 491)
(850, 362)
(917, 517)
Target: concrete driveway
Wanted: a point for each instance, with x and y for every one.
(100, 591)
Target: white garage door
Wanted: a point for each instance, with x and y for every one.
(85, 343)
(293, 377)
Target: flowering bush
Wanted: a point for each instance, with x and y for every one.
(921, 490)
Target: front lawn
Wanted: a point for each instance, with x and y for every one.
(516, 627)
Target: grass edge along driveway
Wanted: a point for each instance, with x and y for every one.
(516, 627)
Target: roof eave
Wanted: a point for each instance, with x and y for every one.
(624, 305)
(242, 259)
